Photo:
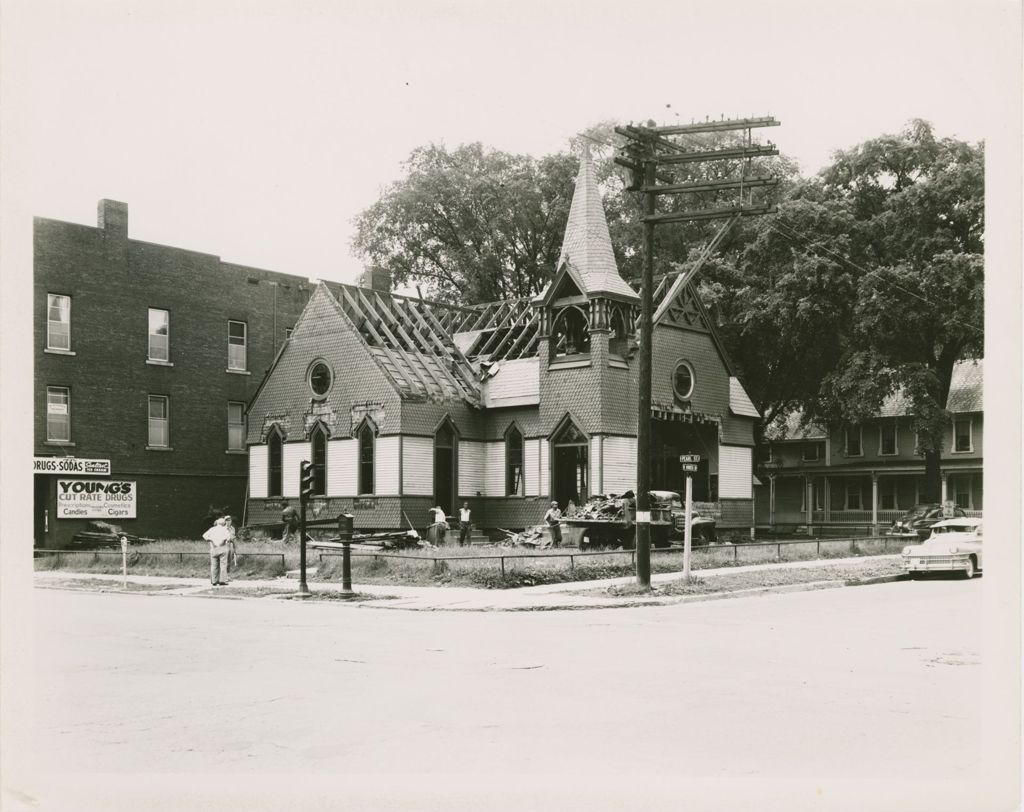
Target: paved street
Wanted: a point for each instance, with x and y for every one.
(844, 683)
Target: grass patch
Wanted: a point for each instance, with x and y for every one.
(261, 559)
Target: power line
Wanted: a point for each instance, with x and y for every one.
(796, 235)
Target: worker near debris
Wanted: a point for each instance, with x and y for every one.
(438, 529)
(552, 519)
(290, 519)
(465, 523)
(220, 548)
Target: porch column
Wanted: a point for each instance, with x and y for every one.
(827, 498)
(809, 500)
(874, 503)
(943, 477)
(771, 501)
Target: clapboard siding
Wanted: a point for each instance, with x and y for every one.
(735, 472)
(386, 466)
(531, 464)
(494, 469)
(418, 466)
(545, 477)
(471, 467)
(292, 457)
(596, 480)
(257, 471)
(619, 464)
(342, 474)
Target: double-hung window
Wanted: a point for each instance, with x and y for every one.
(887, 438)
(236, 426)
(853, 442)
(58, 322)
(159, 421)
(58, 414)
(236, 345)
(159, 335)
(962, 435)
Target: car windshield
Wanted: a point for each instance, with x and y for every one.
(955, 528)
(917, 512)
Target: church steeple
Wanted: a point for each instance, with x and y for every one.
(587, 245)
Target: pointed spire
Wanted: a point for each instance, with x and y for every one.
(587, 246)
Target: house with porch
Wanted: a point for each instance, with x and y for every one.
(403, 404)
(870, 474)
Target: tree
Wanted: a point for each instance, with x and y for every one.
(472, 224)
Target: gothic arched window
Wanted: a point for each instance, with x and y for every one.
(570, 334)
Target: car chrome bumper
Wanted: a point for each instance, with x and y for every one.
(934, 563)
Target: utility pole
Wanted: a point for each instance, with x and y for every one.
(647, 150)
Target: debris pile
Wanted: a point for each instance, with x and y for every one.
(395, 540)
(536, 537)
(603, 507)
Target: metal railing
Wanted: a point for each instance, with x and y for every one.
(38, 553)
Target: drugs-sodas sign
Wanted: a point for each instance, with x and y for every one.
(70, 465)
(96, 499)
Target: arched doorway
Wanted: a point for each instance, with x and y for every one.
(445, 456)
(570, 474)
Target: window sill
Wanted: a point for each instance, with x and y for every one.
(617, 363)
(888, 453)
(574, 363)
(237, 372)
(155, 363)
(50, 351)
(237, 451)
(962, 451)
(159, 448)
(61, 443)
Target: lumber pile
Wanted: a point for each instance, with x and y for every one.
(610, 508)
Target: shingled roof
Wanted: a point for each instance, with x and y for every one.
(587, 245)
(966, 390)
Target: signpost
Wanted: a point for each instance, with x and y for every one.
(124, 562)
(688, 462)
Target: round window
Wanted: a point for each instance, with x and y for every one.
(320, 378)
(682, 380)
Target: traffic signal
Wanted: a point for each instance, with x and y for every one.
(306, 478)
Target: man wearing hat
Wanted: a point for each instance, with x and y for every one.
(552, 518)
(220, 547)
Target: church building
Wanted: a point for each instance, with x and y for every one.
(402, 404)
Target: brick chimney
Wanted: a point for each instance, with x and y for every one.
(113, 217)
(380, 280)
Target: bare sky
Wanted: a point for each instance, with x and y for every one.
(258, 130)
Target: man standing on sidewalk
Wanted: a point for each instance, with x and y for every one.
(219, 537)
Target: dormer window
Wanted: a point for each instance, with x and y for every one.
(570, 334)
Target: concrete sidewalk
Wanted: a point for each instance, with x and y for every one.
(425, 598)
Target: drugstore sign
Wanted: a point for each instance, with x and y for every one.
(70, 465)
(96, 499)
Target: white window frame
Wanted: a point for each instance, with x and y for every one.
(817, 452)
(233, 361)
(970, 435)
(65, 418)
(846, 441)
(236, 427)
(150, 354)
(159, 424)
(968, 481)
(53, 300)
(895, 438)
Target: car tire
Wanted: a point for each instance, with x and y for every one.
(968, 571)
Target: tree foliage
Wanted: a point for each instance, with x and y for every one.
(471, 224)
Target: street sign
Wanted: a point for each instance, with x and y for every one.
(689, 468)
(689, 458)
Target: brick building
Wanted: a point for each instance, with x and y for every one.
(870, 474)
(402, 404)
(146, 356)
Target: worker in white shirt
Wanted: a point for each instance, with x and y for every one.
(465, 523)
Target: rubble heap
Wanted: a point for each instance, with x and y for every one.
(603, 507)
(536, 537)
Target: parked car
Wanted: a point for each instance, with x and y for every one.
(703, 527)
(919, 520)
(100, 536)
(953, 546)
